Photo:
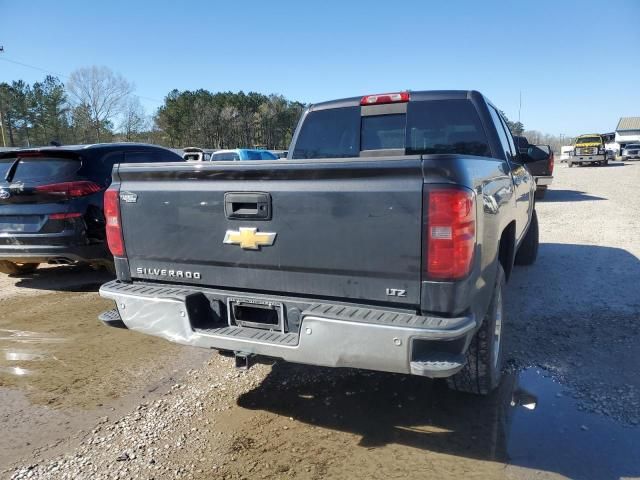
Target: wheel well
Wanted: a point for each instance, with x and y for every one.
(506, 252)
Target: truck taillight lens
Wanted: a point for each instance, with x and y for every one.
(551, 163)
(113, 223)
(451, 233)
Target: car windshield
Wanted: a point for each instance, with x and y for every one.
(633, 145)
(589, 140)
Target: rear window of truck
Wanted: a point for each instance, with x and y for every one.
(428, 127)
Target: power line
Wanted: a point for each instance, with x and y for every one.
(15, 62)
(67, 77)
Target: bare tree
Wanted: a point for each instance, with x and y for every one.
(101, 92)
(134, 120)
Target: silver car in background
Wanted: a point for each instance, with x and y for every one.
(631, 151)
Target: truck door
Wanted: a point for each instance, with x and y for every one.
(521, 177)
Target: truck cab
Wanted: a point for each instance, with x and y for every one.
(589, 150)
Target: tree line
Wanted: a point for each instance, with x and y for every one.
(227, 120)
(98, 105)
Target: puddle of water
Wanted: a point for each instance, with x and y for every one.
(24, 336)
(11, 354)
(557, 437)
(17, 371)
(53, 348)
(15, 356)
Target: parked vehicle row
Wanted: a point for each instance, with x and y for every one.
(242, 154)
(383, 243)
(194, 154)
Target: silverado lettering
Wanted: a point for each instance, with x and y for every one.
(163, 272)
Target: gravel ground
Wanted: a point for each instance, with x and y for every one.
(572, 347)
(581, 318)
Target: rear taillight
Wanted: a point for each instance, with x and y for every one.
(113, 223)
(381, 98)
(451, 233)
(80, 188)
(551, 160)
(64, 216)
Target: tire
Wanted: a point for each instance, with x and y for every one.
(11, 268)
(528, 251)
(570, 164)
(483, 368)
(605, 163)
(539, 195)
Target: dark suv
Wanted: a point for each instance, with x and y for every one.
(51, 202)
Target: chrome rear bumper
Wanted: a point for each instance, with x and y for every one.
(332, 335)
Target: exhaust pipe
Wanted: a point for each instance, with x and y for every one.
(60, 261)
(244, 360)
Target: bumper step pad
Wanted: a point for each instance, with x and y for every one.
(111, 318)
(262, 336)
(444, 365)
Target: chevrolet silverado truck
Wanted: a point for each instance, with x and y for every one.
(589, 150)
(383, 241)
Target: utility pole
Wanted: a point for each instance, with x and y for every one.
(4, 142)
(519, 106)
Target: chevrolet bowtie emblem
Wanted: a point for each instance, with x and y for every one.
(249, 238)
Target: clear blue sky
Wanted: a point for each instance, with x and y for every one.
(576, 63)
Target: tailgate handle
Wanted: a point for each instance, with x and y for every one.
(252, 205)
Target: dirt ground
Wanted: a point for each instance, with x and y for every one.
(568, 407)
(60, 368)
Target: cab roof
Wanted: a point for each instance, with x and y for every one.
(414, 96)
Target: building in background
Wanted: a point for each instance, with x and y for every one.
(628, 131)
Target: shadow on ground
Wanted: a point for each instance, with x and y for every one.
(527, 422)
(67, 278)
(617, 164)
(568, 196)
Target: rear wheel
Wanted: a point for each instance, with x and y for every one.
(483, 367)
(528, 251)
(11, 268)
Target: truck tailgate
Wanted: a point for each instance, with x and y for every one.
(348, 229)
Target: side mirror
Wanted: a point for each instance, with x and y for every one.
(535, 154)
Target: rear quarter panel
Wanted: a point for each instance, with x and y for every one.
(490, 180)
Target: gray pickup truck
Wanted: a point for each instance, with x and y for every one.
(383, 241)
